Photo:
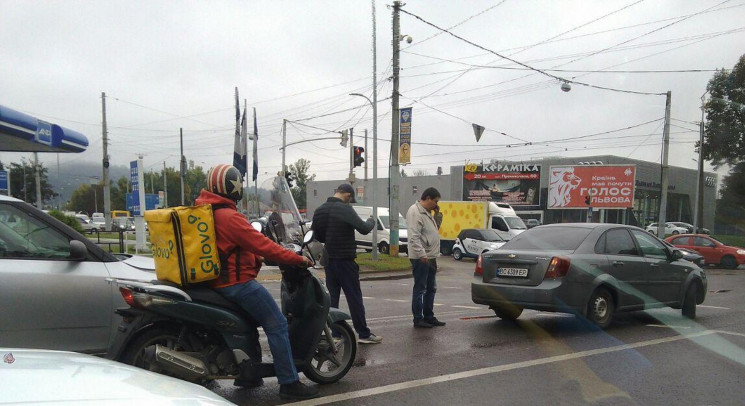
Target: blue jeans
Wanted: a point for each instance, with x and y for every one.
(259, 303)
(425, 287)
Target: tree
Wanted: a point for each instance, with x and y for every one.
(731, 205)
(23, 182)
(724, 138)
(82, 198)
(299, 171)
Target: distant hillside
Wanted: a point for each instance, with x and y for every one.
(72, 175)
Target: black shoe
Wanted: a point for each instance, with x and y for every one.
(422, 324)
(433, 321)
(255, 383)
(297, 390)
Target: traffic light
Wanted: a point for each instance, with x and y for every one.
(288, 178)
(587, 200)
(358, 159)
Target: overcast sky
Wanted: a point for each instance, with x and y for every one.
(166, 65)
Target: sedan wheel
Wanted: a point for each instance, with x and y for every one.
(600, 308)
(457, 255)
(510, 312)
(689, 302)
(675, 232)
(729, 262)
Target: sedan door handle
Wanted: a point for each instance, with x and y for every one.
(617, 263)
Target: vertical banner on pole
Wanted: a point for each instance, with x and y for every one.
(404, 143)
(4, 187)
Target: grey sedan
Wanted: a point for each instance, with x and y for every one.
(53, 288)
(593, 270)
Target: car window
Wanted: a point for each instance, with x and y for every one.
(499, 224)
(25, 236)
(680, 241)
(618, 242)
(490, 235)
(552, 238)
(650, 246)
(702, 242)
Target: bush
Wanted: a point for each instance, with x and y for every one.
(69, 220)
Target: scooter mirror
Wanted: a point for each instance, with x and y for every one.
(308, 237)
(257, 226)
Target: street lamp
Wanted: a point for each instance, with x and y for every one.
(375, 170)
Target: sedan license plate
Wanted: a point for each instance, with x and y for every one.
(520, 272)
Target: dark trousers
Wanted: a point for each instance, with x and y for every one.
(344, 274)
(425, 287)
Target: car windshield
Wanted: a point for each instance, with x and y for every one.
(401, 222)
(549, 238)
(491, 235)
(516, 223)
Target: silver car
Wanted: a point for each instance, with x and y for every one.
(53, 288)
(593, 270)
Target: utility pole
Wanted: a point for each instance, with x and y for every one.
(351, 156)
(665, 168)
(375, 137)
(106, 163)
(698, 219)
(394, 174)
(37, 176)
(284, 144)
(365, 157)
(182, 163)
(165, 186)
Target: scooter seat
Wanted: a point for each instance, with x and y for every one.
(210, 296)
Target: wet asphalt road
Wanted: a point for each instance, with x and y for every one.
(644, 358)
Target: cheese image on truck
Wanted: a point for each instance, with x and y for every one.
(457, 216)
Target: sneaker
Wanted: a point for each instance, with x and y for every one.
(420, 323)
(372, 339)
(433, 321)
(297, 390)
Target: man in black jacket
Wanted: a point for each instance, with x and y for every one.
(334, 224)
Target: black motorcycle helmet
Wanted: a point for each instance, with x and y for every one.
(225, 180)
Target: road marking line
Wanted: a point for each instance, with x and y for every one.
(439, 304)
(408, 316)
(467, 307)
(396, 300)
(492, 370)
(715, 307)
(666, 326)
(368, 298)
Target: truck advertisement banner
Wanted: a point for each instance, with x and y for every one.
(602, 186)
(516, 184)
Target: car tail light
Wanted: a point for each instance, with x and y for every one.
(479, 266)
(558, 267)
(127, 295)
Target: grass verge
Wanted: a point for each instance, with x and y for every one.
(384, 263)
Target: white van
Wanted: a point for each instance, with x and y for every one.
(384, 232)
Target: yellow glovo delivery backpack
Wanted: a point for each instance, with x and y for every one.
(184, 244)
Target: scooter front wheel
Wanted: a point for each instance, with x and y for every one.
(332, 361)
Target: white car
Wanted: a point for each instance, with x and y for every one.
(88, 226)
(670, 228)
(53, 288)
(36, 377)
(472, 242)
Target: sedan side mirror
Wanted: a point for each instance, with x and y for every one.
(677, 254)
(78, 250)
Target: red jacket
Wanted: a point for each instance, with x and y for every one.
(233, 230)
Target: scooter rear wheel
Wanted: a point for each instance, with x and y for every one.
(167, 336)
(329, 364)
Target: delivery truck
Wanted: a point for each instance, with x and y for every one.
(457, 216)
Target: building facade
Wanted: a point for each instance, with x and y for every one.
(553, 190)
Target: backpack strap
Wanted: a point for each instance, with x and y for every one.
(224, 271)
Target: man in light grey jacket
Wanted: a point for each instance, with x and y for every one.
(424, 247)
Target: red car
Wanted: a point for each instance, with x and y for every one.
(714, 251)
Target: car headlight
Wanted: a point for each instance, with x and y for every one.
(740, 252)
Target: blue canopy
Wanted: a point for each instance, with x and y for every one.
(20, 132)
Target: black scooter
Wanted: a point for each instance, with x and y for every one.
(197, 335)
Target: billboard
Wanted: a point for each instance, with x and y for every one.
(404, 142)
(516, 184)
(4, 184)
(603, 186)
